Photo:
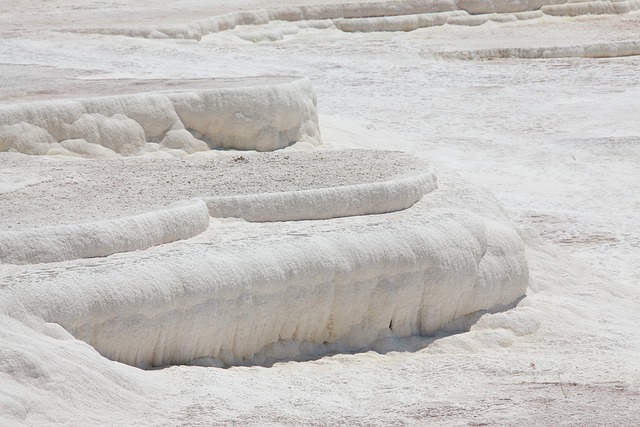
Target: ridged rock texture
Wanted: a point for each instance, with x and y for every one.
(262, 118)
(404, 15)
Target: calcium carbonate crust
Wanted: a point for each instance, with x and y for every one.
(262, 118)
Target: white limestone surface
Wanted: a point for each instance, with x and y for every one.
(262, 118)
(44, 191)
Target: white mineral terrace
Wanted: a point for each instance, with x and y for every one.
(303, 193)
(369, 16)
(240, 301)
(404, 260)
(262, 118)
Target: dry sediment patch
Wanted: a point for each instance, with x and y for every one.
(43, 191)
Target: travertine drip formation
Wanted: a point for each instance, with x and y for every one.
(262, 118)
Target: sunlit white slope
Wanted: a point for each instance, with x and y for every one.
(47, 377)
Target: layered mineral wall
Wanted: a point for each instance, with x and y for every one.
(406, 15)
(262, 118)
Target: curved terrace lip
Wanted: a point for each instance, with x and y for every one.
(187, 219)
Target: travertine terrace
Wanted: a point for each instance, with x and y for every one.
(321, 213)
